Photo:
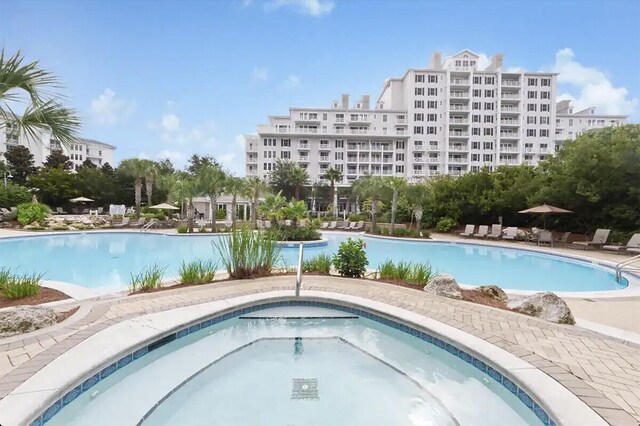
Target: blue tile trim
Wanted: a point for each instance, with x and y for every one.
(70, 396)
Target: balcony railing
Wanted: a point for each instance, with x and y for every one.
(324, 146)
(509, 122)
(508, 149)
(458, 121)
(457, 160)
(458, 134)
(401, 121)
(434, 160)
(358, 132)
(511, 82)
(434, 148)
(459, 94)
(458, 148)
(509, 109)
(303, 146)
(459, 81)
(419, 160)
(510, 96)
(459, 107)
(511, 135)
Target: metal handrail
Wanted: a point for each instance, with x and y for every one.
(299, 272)
(620, 265)
(146, 226)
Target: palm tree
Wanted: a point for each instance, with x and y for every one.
(298, 177)
(272, 207)
(183, 186)
(371, 188)
(254, 188)
(418, 195)
(295, 211)
(396, 184)
(211, 181)
(135, 168)
(234, 187)
(332, 175)
(150, 173)
(43, 110)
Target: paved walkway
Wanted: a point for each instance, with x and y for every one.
(602, 371)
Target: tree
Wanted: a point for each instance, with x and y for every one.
(150, 173)
(165, 167)
(13, 194)
(298, 177)
(289, 178)
(211, 182)
(197, 161)
(254, 188)
(134, 168)
(87, 164)
(183, 186)
(43, 110)
(396, 184)
(108, 170)
(57, 159)
(371, 189)
(417, 196)
(332, 175)
(295, 211)
(92, 182)
(234, 186)
(54, 187)
(20, 162)
(272, 207)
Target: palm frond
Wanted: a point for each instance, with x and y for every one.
(39, 84)
(61, 121)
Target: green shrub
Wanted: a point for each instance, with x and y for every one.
(408, 272)
(182, 229)
(247, 254)
(328, 218)
(446, 224)
(351, 259)
(203, 230)
(197, 272)
(356, 217)
(291, 233)
(13, 195)
(220, 214)
(32, 212)
(149, 278)
(320, 263)
(14, 286)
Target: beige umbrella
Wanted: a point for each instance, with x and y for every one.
(164, 206)
(81, 200)
(545, 210)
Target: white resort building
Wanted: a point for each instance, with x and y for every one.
(449, 118)
(41, 146)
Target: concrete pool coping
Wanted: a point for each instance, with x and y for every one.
(76, 364)
(631, 290)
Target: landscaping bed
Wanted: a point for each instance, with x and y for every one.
(44, 295)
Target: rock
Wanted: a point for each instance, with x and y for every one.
(494, 292)
(545, 305)
(444, 285)
(23, 319)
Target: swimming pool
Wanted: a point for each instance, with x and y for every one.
(310, 365)
(104, 261)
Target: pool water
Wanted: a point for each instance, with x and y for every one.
(105, 261)
(311, 372)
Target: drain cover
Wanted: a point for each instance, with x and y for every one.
(304, 389)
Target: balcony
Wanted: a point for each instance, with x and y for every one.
(544, 150)
(324, 158)
(434, 160)
(305, 130)
(509, 109)
(351, 171)
(419, 160)
(304, 159)
(401, 122)
(358, 131)
(458, 134)
(339, 131)
(508, 161)
(459, 95)
(418, 147)
(455, 160)
(463, 121)
(509, 135)
(339, 120)
(418, 172)
(311, 118)
(352, 159)
(324, 147)
(510, 96)
(252, 160)
(386, 171)
(512, 83)
(304, 146)
(508, 148)
(458, 148)
(509, 122)
(458, 107)
(459, 82)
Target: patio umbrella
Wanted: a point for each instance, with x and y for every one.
(164, 206)
(81, 200)
(544, 210)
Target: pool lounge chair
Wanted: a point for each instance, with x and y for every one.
(140, 222)
(345, 225)
(60, 210)
(123, 223)
(634, 250)
(632, 245)
(333, 225)
(510, 233)
(563, 239)
(483, 230)
(325, 225)
(357, 226)
(599, 239)
(545, 237)
(496, 231)
(468, 231)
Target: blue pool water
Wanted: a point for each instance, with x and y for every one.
(104, 261)
(249, 372)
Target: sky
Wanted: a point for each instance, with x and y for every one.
(165, 79)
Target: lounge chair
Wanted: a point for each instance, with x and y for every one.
(325, 225)
(345, 225)
(359, 226)
(510, 233)
(140, 222)
(267, 224)
(333, 225)
(564, 239)
(545, 237)
(468, 231)
(483, 230)
(60, 210)
(125, 222)
(633, 245)
(287, 222)
(599, 239)
(496, 231)
(100, 210)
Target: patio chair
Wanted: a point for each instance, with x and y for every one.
(125, 222)
(468, 231)
(599, 239)
(632, 245)
(510, 233)
(100, 210)
(333, 225)
(563, 239)
(325, 225)
(483, 230)
(140, 222)
(545, 237)
(496, 231)
(357, 226)
(345, 225)
(60, 210)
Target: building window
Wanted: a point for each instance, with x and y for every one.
(418, 104)
(531, 132)
(531, 120)
(399, 169)
(419, 91)
(544, 133)
(488, 106)
(418, 130)
(433, 91)
(488, 118)
(432, 104)
(532, 81)
(384, 118)
(544, 120)
(285, 143)
(489, 80)
(399, 145)
(419, 78)
(532, 107)
(475, 145)
(285, 155)
(432, 117)
(544, 107)
(431, 130)
(476, 105)
(339, 155)
(418, 117)
(477, 80)
(545, 95)
(339, 144)
(400, 157)
(489, 93)
(487, 157)
(488, 132)
(477, 93)
(433, 78)
(545, 82)
(476, 118)
(475, 131)
(475, 157)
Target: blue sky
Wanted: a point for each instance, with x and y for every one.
(170, 78)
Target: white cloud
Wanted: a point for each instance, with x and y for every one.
(170, 122)
(292, 82)
(305, 7)
(109, 108)
(171, 104)
(591, 87)
(240, 141)
(176, 157)
(143, 155)
(483, 61)
(260, 74)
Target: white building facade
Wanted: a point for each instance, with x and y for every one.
(43, 144)
(450, 118)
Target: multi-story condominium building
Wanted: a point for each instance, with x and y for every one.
(449, 118)
(42, 144)
(570, 124)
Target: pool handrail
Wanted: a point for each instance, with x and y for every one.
(299, 271)
(621, 265)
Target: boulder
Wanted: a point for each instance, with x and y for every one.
(444, 285)
(494, 292)
(23, 319)
(544, 305)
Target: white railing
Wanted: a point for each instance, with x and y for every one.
(299, 272)
(303, 146)
(458, 121)
(509, 122)
(510, 82)
(459, 134)
(458, 108)
(510, 96)
(508, 109)
(459, 94)
(625, 264)
(458, 148)
(459, 81)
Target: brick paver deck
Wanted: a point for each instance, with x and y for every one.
(602, 371)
